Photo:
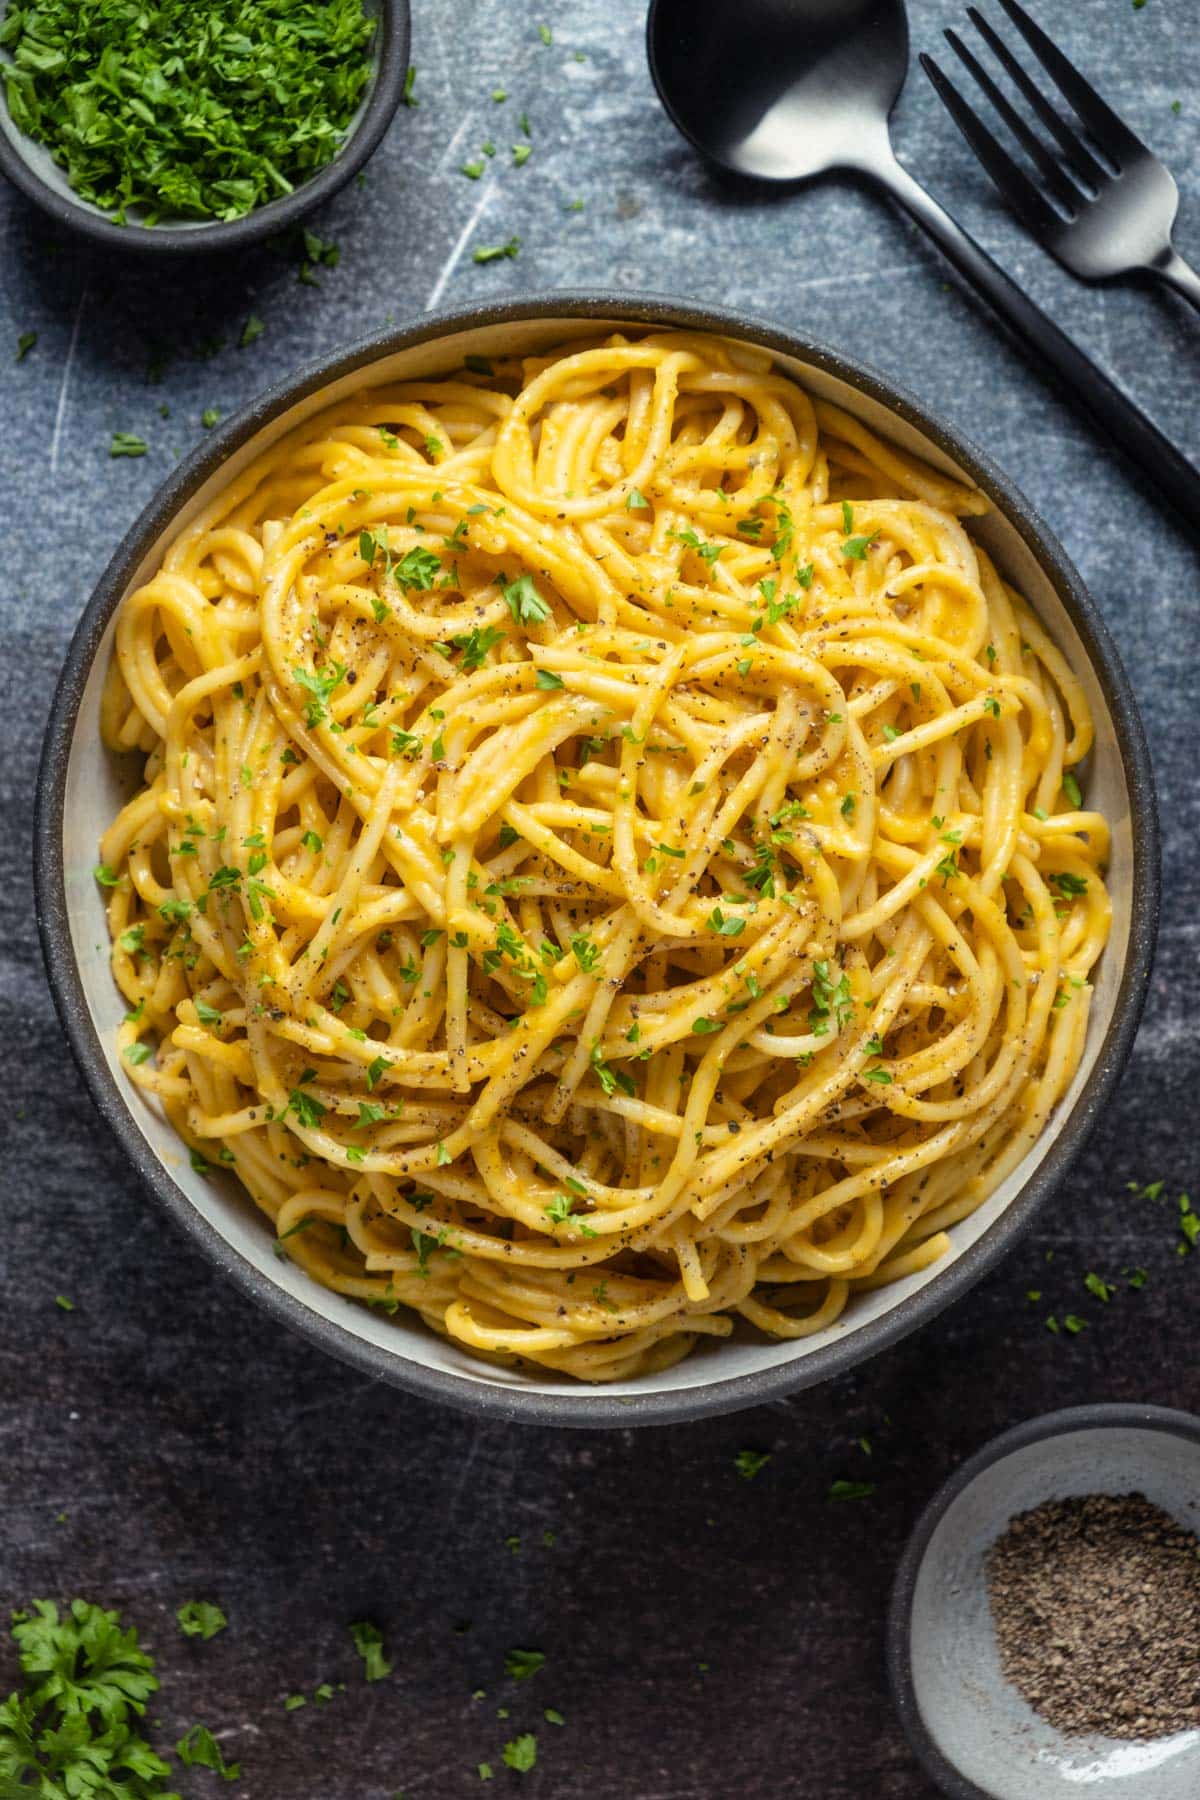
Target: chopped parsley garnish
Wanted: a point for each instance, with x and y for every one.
(610, 1079)
(418, 569)
(252, 330)
(209, 417)
(851, 1490)
(123, 442)
(308, 1111)
(829, 998)
(586, 954)
(321, 687)
(524, 602)
(25, 343)
(749, 1462)
(194, 112)
(546, 678)
(475, 646)
(708, 553)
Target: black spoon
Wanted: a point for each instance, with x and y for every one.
(787, 89)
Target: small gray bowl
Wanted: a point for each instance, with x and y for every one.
(30, 166)
(974, 1735)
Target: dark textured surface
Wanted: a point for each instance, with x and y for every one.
(704, 1636)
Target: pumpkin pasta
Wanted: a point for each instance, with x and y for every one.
(608, 862)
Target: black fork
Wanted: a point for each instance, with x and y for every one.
(1100, 201)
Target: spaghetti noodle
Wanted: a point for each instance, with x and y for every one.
(608, 862)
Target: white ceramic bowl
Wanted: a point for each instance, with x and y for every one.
(80, 787)
(976, 1736)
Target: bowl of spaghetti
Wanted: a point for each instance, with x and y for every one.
(599, 860)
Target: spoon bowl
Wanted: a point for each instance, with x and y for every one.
(779, 89)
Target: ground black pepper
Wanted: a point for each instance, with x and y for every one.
(1096, 1605)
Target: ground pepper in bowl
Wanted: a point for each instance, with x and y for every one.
(1096, 1606)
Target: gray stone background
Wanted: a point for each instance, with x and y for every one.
(704, 1636)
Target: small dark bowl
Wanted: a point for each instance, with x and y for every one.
(79, 788)
(973, 1733)
(30, 166)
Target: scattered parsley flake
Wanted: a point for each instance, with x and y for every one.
(125, 444)
(368, 1641)
(487, 253)
(521, 1664)
(521, 1753)
(198, 1748)
(200, 1618)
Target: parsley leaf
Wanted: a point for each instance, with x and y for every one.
(200, 1618)
(368, 1641)
(83, 1662)
(199, 1749)
(521, 1664)
(524, 602)
(521, 1753)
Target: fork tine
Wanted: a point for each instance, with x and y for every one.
(1052, 175)
(1080, 159)
(1110, 132)
(1012, 181)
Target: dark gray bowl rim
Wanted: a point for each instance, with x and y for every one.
(582, 1406)
(1103, 1415)
(387, 91)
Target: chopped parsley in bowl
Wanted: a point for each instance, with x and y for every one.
(176, 123)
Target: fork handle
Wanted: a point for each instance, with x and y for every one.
(1171, 268)
(1057, 354)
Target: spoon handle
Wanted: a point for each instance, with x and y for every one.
(1057, 354)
